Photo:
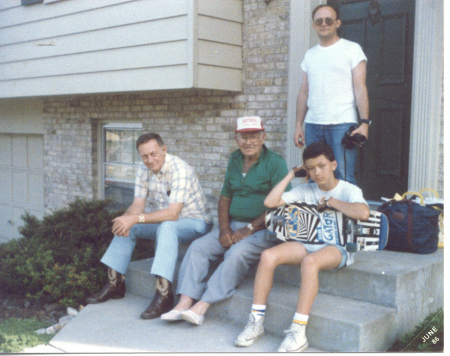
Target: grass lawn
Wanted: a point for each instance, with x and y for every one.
(19, 334)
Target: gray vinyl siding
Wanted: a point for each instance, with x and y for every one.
(103, 46)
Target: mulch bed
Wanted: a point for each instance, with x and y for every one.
(12, 306)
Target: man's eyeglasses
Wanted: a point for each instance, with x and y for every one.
(328, 20)
(253, 137)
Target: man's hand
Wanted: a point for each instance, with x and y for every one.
(123, 224)
(299, 137)
(322, 204)
(301, 171)
(226, 237)
(362, 129)
(241, 234)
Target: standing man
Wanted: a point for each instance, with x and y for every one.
(253, 170)
(179, 214)
(333, 86)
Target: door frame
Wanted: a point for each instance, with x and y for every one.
(427, 92)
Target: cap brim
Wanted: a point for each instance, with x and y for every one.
(250, 130)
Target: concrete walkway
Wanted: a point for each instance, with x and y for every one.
(115, 326)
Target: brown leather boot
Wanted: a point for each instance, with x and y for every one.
(162, 301)
(115, 288)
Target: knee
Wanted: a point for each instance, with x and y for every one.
(167, 229)
(236, 255)
(269, 259)
(309, 264)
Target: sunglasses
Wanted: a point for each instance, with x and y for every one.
(328, 20)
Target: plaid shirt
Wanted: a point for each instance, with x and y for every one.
(175, 183)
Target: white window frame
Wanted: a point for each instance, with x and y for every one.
(102, 140)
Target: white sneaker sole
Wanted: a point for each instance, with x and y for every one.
(173, 315)
(300, 349)
(247, 342)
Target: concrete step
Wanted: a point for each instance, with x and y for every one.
(335, 324)
(406, 287)
(115, 327)
(379, 277)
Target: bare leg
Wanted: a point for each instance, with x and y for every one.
(288, 253)
(324, 259)
(184, 303)
(200, 307)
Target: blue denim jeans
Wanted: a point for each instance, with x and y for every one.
(333, 134)
(168, 235)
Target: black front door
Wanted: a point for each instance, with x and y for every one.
(385, 31)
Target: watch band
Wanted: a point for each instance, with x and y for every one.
(250, 226)
(365, 121)
(141, 218)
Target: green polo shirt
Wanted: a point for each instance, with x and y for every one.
(247, 193)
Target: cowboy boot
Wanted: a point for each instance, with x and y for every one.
(114, 288)
(162, 301)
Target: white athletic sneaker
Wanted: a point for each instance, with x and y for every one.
(251, 331)
(295, 340)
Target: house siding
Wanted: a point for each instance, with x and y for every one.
(102, 46)
(196, 124)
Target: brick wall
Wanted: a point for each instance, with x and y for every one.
(196, 125)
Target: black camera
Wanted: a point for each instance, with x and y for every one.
(300, 173)
(349, 141)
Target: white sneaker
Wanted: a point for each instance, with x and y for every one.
(295, 340)
(251, 331)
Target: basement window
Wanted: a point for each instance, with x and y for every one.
(120, 162)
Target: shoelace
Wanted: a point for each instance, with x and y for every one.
(289, 334)
(250, 327)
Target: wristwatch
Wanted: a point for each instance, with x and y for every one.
(141, 218)
(365, 121)
(325, 201)
(250, 226)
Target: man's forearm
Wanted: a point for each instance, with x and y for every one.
(362, 102)
(224, 212)
(259, 223)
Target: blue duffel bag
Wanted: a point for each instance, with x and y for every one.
(412, 227)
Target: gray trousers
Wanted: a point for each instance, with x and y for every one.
(192, 278)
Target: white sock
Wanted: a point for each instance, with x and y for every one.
(258, 311)
(300, 319)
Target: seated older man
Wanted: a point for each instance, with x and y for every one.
(253, 170)
(179, 215)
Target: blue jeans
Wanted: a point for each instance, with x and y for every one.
(168, 235)
(333, 134)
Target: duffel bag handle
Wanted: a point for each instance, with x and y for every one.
(429, 190)
(413, 193)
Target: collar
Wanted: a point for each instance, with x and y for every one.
(165, 166)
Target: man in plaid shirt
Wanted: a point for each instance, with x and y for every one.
(169, 206)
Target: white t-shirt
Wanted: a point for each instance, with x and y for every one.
(311, 193)
(331, 99)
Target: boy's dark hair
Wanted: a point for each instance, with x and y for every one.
(325, 5)
(148, 137)
(316, 149)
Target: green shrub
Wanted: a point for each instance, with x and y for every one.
(58, 258)
(18, 334)
(428, 336)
